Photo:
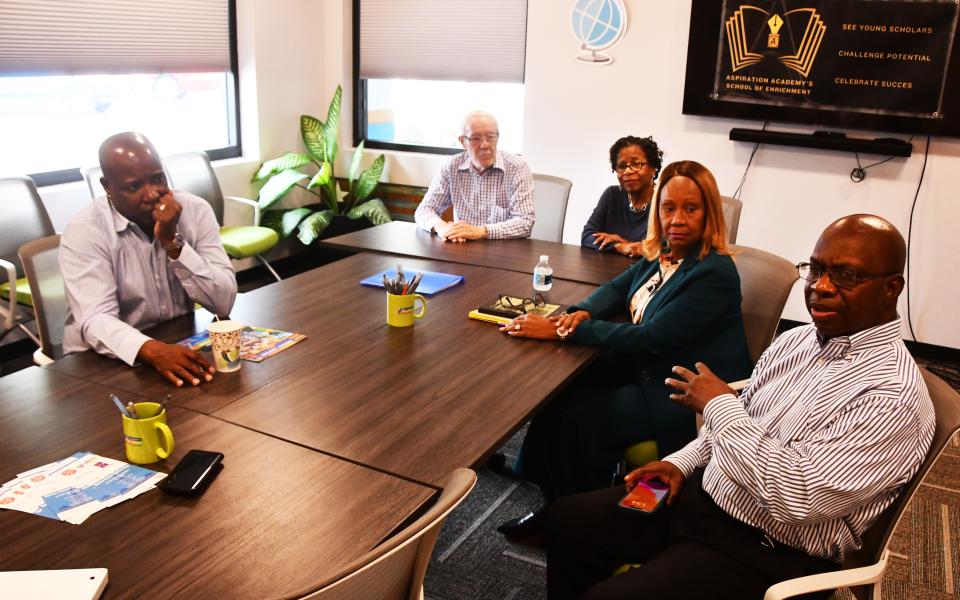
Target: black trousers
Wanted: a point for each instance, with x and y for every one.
(692, 549)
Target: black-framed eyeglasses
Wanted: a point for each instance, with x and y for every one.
(522, 304)
(637, 166)
(845, 278)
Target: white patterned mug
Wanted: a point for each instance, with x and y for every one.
(225, 340)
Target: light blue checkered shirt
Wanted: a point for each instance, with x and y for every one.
(500, 198)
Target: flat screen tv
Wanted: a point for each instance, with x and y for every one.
(880, 65)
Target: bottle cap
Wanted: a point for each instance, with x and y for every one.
(544, 258)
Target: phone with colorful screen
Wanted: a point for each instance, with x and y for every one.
(645, 497)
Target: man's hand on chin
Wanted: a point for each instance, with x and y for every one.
(175, 362)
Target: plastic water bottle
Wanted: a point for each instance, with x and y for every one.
(543, 275)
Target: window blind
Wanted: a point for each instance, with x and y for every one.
(463, 40)
(113, 36)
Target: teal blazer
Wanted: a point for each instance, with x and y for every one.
(695, 316)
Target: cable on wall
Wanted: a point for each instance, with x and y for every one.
(756, 146)
(913, 208)
(859, 173)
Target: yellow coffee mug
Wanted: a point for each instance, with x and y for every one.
(401, 311)
(147, 438)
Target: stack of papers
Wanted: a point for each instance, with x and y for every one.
(256, 343)
(76, 487)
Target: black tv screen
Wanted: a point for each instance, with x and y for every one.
(881, 65)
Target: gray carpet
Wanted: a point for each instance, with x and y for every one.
(472, 561)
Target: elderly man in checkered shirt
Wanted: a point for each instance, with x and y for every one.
(491, 192)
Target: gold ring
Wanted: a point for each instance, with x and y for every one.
(516, 327)
(163, 207)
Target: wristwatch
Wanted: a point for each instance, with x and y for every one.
(175, 244)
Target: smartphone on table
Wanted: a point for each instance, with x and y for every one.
(646, 497)
(193, 473)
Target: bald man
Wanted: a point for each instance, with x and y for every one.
(141, 255)
(783, 481)
(491, 192)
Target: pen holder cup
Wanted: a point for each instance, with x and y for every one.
(401, 310)
(225, 343)
(147, 439)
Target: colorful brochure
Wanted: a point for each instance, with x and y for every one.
(256, 343)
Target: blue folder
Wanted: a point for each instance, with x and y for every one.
(431, 283)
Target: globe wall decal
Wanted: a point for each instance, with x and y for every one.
(598, 24)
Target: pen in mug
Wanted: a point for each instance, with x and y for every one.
(119, 404)
(415, 282)
(400, 277)
(132, 411)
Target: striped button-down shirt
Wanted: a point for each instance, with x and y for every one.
(118, 281)
(500, 198)
(820, 441)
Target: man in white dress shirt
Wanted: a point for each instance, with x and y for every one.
(139, 256)
(783, 481)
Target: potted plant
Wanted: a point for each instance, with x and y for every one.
(280, 175)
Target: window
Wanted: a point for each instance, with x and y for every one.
(421, 65)
(167, 70)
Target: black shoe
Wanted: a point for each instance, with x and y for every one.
(528, 526)
(498, 464)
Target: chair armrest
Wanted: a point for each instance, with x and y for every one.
(829, 581)
(243, 207)
(11, 311)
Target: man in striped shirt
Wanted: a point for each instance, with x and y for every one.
(138, 257)
(783, 481)
(491, 192)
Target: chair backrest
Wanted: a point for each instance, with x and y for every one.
(394, 570)
(946, 406)
(41, 264)
(91, 176)
(191, 172)
(765, 284)
(23, 217)
(550, 195)
(731, 216)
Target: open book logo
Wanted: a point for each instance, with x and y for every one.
(753, 34)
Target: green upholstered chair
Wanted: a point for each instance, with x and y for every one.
(40, 259)
(22, 218)
(191, 172)
(765, 284)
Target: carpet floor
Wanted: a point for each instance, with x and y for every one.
(472, 561)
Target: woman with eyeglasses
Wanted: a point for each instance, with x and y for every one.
(678, 306)
(619, 221)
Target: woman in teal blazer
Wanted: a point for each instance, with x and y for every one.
(677, 307)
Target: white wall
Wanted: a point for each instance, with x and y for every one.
(295, 52)
(574, 112)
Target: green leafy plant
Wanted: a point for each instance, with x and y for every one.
(280, 175)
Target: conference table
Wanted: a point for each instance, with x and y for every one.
(278, 521)
(573, 263)
(356, 411)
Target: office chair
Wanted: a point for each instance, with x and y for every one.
(866, 566)
(91, 176)
(550, 195)
(191, 172)
(22, 218)
(765, 284)
(395, 569)
(731, 216)
(41, 264)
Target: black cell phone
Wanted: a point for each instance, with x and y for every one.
(193, 473)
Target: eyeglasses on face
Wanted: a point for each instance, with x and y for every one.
(489, 138)
(522, 304)
(637, 166)
(845, 278)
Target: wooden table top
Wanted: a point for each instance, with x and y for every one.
(569, 262)
(416, 401)
(278, 520)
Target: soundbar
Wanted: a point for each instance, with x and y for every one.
(824, 140)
